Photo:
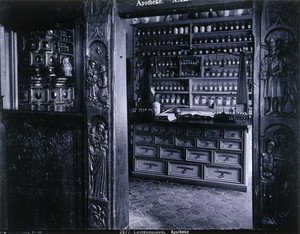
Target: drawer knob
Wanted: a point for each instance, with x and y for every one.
(226, 159)
(221, 175)
(206, 143)
(232, 134)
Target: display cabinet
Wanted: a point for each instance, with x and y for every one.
(46, 68)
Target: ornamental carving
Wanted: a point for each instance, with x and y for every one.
(276, 172)
(97, 8)
(98, 216)
(97, 151)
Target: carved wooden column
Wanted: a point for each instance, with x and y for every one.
(277, 81)
(106, 124)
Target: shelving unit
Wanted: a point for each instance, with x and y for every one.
(200, 54)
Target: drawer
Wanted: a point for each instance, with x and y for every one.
(145, 150)
(143, 127)
(159, 129)
(151, 166)
(176, 131)
(186, 142)
(232, 175)
(164, 140)
(194, 132)
(233, 134)
(171, 153)
(209, 144)
(184, 170)
(215, 133)
(228, 158)
(198, 155)
(231, 145)
(143, 138)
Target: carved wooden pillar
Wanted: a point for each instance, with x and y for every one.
(277, 143)
(105, 99)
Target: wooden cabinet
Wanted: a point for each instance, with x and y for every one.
(194, 63)
(208, 155)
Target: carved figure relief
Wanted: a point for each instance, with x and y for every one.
(92, 80)
(276, 174)
(278, 70)
(97, 76)
(98, 149)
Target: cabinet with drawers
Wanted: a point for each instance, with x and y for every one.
(205, 154)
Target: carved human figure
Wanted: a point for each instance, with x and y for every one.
(102, 84)
(66, 67)
(268, 170)
(272, 71)
(92, 80)
(98, 147)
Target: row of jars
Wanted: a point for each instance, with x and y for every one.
(241, 38)
(213, 50)
(222, 27)
(224, 73)
(165, 63)
(177, 86)
(175, 41)
(199, 100)
(213, 87)
(163, 52)
(184, 29)
(199, 28)
(172, 99)
(224, 62)
(185, 41)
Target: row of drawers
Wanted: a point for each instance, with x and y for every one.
(189, 142)
(189, 154)
(189, 171)
(236, 134)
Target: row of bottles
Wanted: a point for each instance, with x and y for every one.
(223, 39)
(209, 101)
(224, 62)
(159, 52)
(165, 74)
(175, 86)
(172, 99)
(194, 51)
(201, 28)
(162, 42)
(215, 87)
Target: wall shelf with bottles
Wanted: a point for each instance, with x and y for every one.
(202, 54)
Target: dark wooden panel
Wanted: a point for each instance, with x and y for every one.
(43, 184)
